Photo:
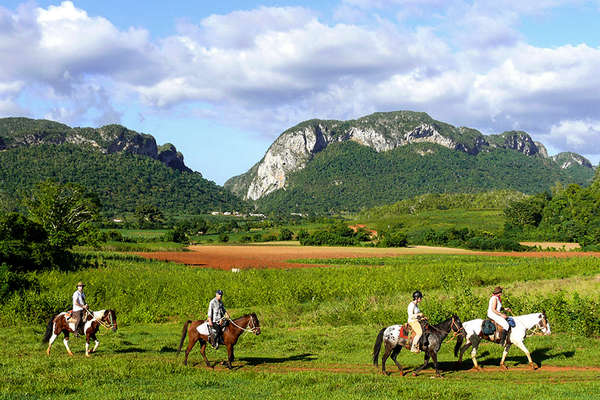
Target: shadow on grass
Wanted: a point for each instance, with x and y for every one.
(131, 350)
(167, 349)
(519, 358)
(277, 360)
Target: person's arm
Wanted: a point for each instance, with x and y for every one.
(209, 314)
(494, 305)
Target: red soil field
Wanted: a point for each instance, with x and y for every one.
(244, 257)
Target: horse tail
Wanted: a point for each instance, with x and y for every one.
(49, 330)
(459, 341)
(185, 329)
(377, 346)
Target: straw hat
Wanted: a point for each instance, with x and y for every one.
(80, 284)
(497, 290)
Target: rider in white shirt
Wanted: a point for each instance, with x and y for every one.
(414, 315)
(495, 313)
(79, 306)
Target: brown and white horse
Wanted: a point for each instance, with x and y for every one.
(198, 331)
(60, 324)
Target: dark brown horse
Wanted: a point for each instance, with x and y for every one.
(430, 343)
(60, 324)
(198, 331)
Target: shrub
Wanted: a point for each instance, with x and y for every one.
(285, 234)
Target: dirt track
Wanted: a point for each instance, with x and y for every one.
(244, 257)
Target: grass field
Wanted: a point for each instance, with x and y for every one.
(318, 329)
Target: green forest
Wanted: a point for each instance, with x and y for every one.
(122, 181)
(350, 177)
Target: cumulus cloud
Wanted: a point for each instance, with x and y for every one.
(270, 67)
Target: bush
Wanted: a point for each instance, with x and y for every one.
(394, 239)
(176, 235)
(223, 238)
(285, 234)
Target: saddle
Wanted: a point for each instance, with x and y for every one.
(491, 331)
(407, 333)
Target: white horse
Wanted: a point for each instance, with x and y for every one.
(536, 321)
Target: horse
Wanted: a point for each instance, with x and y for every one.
(430, 342)
(536, 321)
(198, 331)
(60, 324)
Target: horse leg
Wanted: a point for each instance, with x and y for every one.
(52, 339)
(203, 351)
(386, 354)
(229, 355)
(87, 344)
(504, 353)
(66, 342)
(521, 346)
(191, 342)
(96, 342)
(426, 361)
(462, 351)
(393, 357)
(474, 356)
(435, 363)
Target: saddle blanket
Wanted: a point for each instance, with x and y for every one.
(203, 329)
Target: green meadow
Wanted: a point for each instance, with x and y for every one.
(318, 330)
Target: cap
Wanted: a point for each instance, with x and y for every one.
(219, 292)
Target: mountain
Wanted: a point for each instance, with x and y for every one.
(109, 139)
(386, 157)
(123, 167)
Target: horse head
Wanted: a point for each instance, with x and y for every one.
(457, 325)
(254, 324)
(544, 325)
(109, 319)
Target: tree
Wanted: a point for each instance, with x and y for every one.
(66, 211)
(148, 215)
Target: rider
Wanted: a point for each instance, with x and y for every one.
(216, 318)
(495, 313)
(79, 306)
(414, 317)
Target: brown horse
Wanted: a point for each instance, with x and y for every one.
(60, 324)
(231, 334)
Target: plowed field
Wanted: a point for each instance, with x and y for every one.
(227, 257)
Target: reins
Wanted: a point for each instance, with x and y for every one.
(99, 320)
(252, 330)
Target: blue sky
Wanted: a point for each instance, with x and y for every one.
(222, 80)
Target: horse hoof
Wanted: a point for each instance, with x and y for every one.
(87, 355)
(385, 373)
(533, 366)
(503, 367)
(48, 352)
(70, 354)
(478, 368)
(414, 374)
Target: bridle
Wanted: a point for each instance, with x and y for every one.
(101, 320)
(537, 328)
(459, 330)
(253, 328)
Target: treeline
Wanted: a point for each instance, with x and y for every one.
(121, 181)
(350, 177)
(567, 214)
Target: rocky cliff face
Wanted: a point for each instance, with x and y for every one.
(109, 139)
(294, 148)
(567, 159)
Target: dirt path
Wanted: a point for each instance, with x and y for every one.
(244, 257)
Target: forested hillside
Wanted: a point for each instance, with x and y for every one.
(121, 180)
(349, 176)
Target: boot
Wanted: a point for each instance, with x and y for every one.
(212, 339)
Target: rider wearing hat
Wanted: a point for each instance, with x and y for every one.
(79, 306)
(216, 318)
(414, 317)
(495, 313)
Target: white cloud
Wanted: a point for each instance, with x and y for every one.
(271, 67)
(582, 136)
